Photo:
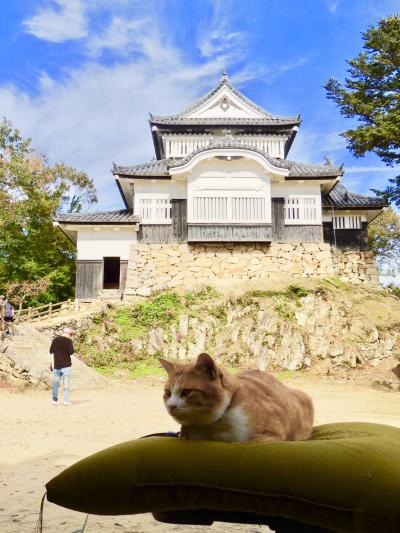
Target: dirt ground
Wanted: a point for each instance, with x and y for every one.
(38, 440)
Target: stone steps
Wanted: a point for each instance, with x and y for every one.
(108, 295)
(27, 356)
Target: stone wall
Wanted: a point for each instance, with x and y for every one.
(154, 267)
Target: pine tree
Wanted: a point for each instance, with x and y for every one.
(371, 95)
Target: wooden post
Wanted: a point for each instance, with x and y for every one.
(29, 312)
(50, 308)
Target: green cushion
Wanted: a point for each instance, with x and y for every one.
(346, 478)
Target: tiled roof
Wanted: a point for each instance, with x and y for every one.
(339, 196)
(154, 168)
(123, 216)
(226, 144)
(267, 118)
(306, 170)
(295, 169)
(228, 121)
(161, 167)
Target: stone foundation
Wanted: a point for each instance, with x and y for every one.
(153, 267)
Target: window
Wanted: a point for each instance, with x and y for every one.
(347, 222)
(303, 210)
(155, 211)
(225, 209)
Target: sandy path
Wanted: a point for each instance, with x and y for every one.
(38, 440)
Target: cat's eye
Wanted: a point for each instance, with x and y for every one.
(167, 393)
(185, 392)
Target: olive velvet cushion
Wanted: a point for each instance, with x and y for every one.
(345, 479)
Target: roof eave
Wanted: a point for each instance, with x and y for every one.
(121, 191)
(354, 207)
(157, 141)
(144, 177)
(301, 177)
(165, 125)
(96, 223)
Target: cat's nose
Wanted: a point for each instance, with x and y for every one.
(172, 407)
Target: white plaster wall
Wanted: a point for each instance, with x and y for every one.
(327, 214)
(229, 178)
(294, 188)
(93, 244)
(283, 190)
(160, 189)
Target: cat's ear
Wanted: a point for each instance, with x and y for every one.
(205, 363)
(168, 365)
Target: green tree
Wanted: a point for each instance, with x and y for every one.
(384, 240)
(371, 95)
(31, 192)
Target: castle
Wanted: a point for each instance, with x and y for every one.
(222, 201)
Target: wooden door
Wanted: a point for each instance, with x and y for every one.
(179, 220)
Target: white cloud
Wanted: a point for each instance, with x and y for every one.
(215, 36)
(98, 114)
(311, 145)
(218, 40)
(332, 7)
(63, 21)
(120, 36)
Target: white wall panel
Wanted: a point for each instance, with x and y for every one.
(93, 244)
(229, 179)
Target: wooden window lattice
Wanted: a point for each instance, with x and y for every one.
(229, 209)
(301, 210)
(347, 222)
(155, 210)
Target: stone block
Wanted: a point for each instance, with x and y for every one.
(172, 251)
(324, 246)
(325, 254)
(310, 246)
(175, 283)
(143, 291)
(204, 262)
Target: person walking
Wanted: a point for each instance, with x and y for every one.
(8, 315)
(61, 350)
(2, 304)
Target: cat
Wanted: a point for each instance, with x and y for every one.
(211, 404)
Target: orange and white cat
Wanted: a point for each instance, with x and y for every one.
(211, 404)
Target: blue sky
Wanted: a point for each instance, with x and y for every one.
(81, 76)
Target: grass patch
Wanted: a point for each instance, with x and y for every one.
(158, 311)
(142, 371)
(219, 312)
(293, 291)
(297, 291)
(206, 293)
(284, 312)
(135, 371)
(105, 370)
(333, 281)
(285, 374)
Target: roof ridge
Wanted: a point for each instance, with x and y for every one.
(224, 81)
(282, 163)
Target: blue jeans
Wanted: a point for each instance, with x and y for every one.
(65, 373)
